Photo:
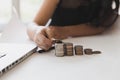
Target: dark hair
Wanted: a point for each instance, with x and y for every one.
(106, 14)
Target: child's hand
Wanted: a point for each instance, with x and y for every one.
(43, 36)
(41, 39)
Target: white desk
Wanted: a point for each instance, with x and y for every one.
(105, 66)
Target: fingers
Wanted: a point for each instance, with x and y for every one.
(42, 42)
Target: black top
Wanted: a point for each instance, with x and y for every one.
(73, 12)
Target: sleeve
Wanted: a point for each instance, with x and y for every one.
(106, 16)
(109, 21)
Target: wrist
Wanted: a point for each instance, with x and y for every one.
(56, 32)
(33, 29)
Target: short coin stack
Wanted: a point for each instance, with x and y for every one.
(88, 51)
(66, 49)
(78, 50)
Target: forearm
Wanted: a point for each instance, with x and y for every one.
(74, 31)
(46, 11)
(43, 15)
(82, 30)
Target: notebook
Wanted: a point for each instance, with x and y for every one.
(12, 54)
(15, 46)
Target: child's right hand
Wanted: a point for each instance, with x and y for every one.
(38, 34)
(41, 39)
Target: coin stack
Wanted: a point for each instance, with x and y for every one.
(59, 49)
(96, 52)
(78, 49)
(68, 49)
(88, 51)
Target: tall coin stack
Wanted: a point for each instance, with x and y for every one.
(68, 49)
(59, 48)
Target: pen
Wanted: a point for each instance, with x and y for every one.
(41, 51)
(53, 47)
(2, 55)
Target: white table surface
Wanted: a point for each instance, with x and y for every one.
(47, 66)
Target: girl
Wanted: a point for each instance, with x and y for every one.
(70, 18)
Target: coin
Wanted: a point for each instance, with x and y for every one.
(96, 52)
